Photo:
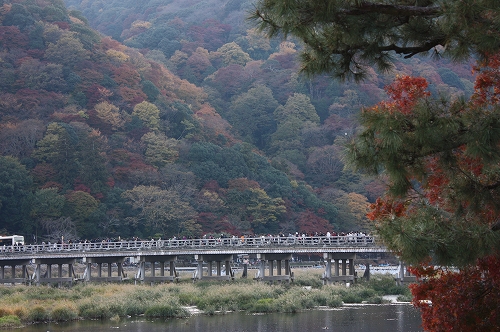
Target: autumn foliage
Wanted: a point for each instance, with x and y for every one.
(444, 203)
(467, 300)
(404, 93)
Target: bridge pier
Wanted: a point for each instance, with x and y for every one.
(13, 263)
(341, 262)
(281, 275)
(162, 259)
(87, 276)
(210, 259)
(47, 277)
(404, 275)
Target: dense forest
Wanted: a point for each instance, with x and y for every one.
(176, 118)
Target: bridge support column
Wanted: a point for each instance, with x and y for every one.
(162, 269)
(341, 261)
(13, 263)
(404, 275)
(286, 275)
(86, 274)
(366, 275)
(218, 259)
(199, 270)
(328, 271)
(49, 271)
(153, 277)
(105, 260)
(47, 276)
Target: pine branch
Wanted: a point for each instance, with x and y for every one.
(394, 10)
(411, 51)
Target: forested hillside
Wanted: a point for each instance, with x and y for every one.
(176, 118)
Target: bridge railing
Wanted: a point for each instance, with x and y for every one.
(247, 242)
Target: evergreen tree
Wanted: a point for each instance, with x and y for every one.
(442, 162)
(342, 37)
(440, 157)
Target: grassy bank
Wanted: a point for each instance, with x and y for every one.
(29, 304)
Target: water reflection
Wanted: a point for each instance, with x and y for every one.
(373, 318)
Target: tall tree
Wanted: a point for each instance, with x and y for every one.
(148, 113)
(442, 206)
(252, 114)
(344, 37)
(161, 211)
(15, 193)
(442, 162)
(441, 157)
(160, 150)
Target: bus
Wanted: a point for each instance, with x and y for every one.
(11, 240)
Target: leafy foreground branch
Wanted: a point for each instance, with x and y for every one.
(441, 159)
(113, 301)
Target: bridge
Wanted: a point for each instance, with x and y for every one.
(273, 252)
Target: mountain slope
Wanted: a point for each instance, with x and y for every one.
(99, 141)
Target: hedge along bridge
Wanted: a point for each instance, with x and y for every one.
(275, 253)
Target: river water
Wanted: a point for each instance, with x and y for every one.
(352, 318)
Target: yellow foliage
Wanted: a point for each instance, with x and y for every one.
(141, 24)
(117, 55)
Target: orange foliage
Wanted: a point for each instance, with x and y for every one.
(465, 300)
(404, 93)
(487, 85)
(210, 119)
(451, 300)
(132, 96)
(386, 208)
(309, 223)
(126, 75)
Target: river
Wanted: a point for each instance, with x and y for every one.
(351, 318)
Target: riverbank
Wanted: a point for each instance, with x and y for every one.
(22, 305)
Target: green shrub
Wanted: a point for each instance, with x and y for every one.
(90, 310)
(10, 321)
(313, 280)
(146, 294)
(385, 285)
(210, 310)
(365, 293)
(82, 291)
(264, 305)
(290, 304)
(375, 300)
(38, 314)
(63, 314)
(319, 298)
(187, 298)
(116, 307)
(134, 308)
(4, 291)
(334, 301)
(166, 310)
(405, 298)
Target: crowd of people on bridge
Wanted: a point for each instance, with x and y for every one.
(328, 238)
(223, 236)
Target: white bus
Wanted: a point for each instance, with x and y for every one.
(11, 240)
